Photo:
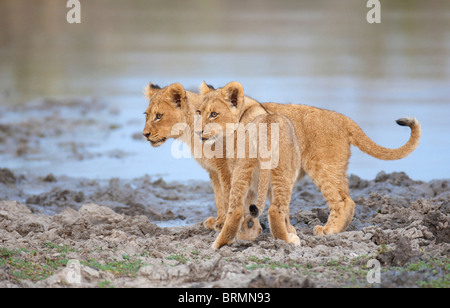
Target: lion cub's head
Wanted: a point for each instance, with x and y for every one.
(166, 108)
(219, 108)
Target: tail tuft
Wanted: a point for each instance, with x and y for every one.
(254, 211)
(407, 122)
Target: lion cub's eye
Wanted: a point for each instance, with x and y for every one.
(158, 116)
(213, 115)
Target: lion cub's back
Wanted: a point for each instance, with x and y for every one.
(288, 143)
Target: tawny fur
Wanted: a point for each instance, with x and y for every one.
(281, 170)
(325, 137)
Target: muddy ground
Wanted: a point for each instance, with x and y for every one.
(109, 234)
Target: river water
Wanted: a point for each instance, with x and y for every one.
(320, 53)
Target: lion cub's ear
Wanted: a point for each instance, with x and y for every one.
(150, 90)
(177, 93)
(233, 93)
(205, 88)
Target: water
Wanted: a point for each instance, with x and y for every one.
(320, 53)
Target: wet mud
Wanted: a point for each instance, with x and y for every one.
(155, 229)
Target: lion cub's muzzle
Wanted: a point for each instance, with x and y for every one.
(203, 136)
(157, 142)
(154, 143)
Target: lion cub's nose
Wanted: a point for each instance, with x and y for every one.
(146, 135)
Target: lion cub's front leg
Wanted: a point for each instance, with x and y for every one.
(221, 186)
(235, 218)
(211, 222)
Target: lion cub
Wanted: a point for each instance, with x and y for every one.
(173, 105)
(264, 146)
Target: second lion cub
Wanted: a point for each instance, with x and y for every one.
(252, 129)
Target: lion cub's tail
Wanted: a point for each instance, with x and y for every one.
(365, 144)
(263, 188)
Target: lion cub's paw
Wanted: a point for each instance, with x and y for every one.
(319, 230)
(220, 221)
(293, 239)
(326, 230)
(218, 243)
(209, 223)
